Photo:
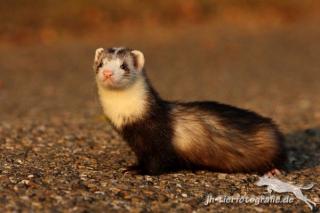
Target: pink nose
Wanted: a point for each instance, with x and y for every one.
(107, 73)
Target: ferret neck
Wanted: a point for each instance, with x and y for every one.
(129, 105)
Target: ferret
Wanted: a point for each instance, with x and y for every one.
(167, 136)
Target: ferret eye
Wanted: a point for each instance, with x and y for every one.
(124, 66)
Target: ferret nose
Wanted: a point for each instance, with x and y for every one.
(107, 73)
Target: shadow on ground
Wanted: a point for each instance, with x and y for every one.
(300, 156)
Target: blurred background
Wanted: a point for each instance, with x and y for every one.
(262, 55)
(57, 152)
(50, 21)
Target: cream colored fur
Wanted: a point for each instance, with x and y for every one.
(126, 105)
(190, 125)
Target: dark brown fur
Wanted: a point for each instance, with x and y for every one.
(242, 141)
(200, 135)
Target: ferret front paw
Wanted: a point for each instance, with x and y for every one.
(133, 169)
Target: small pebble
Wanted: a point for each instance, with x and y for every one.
(222, 176)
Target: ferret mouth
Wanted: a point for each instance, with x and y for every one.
(109, 81)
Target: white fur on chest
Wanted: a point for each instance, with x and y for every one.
(124, 106)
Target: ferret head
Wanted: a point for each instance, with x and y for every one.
(117, 68)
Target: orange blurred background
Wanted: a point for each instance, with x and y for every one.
(51, 21)
(257, 54)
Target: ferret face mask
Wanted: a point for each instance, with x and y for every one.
(117, 68)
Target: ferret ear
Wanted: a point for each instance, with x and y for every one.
(98, 54)
(138, 60)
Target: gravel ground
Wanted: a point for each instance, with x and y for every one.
(57, 153)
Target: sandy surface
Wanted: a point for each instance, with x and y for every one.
(57, 153)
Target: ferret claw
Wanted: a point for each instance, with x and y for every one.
(133, 169)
